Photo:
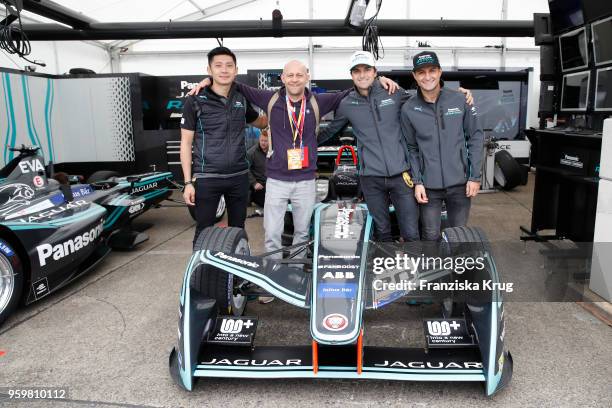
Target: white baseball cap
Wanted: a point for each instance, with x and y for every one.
(362, 58)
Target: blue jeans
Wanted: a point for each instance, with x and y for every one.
(378, 191)
(457, 209)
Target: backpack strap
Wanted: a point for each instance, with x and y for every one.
(315, 108)
(270, 105)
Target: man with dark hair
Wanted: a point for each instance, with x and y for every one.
(213, 128)
(446, 144)
(220, 51)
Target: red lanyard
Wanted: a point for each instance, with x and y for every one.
(297, 123)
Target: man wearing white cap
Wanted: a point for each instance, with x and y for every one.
(383, 153)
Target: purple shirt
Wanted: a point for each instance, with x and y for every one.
(282, 137)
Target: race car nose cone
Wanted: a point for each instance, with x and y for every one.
(335, 322)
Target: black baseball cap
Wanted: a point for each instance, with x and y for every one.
(425, 58)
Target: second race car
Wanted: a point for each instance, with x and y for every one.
(51, 232)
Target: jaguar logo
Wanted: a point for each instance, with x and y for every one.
(19, 195)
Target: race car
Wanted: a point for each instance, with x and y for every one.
(337, 276)
(52, 232)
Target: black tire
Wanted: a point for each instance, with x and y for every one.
(102, 175)
(508, 173)
(81, 71)
(220, 210)
(455, 237)
(213, 282)
(460, 235)
(11, 280)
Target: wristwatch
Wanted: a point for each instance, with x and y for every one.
(189, 182)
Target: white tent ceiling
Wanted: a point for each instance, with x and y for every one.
(225, 10)
(326, 56)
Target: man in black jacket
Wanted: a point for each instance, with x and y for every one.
(213, 128)
(257, 169)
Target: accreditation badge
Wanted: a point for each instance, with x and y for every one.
(294, 159)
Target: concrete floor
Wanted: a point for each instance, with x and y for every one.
(107, 336)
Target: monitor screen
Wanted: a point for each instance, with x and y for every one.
(565, 14)
(499, 108)
(602, 44)
(573, 46)
(603, 92)
(595, 9)
(575, 91)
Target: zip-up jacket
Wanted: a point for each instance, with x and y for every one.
(257, 162)
(376, 126)
(445, 140)
(220, 124)
(282, 139)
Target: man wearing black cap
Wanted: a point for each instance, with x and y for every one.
(384, 160)
(445, 143)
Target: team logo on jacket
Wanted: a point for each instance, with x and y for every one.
(386, 102)
(335, 322)
(453, 111)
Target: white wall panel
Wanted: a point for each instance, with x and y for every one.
(70, 54)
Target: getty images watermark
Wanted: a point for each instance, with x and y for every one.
(426, 271)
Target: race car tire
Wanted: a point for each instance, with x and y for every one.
(456, 235)
(11, 280)
(218, 215)
(213, 282)
(459, 235)
(101, 175)
(508, 173)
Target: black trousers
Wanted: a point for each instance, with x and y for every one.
(208, 192)
(457, 209)
(258, 197)
(378, 191)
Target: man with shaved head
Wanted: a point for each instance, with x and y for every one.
(293, 117)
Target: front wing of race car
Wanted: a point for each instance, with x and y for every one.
(211, 345)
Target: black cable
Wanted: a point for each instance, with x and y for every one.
(370, 40)
(14, 40)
